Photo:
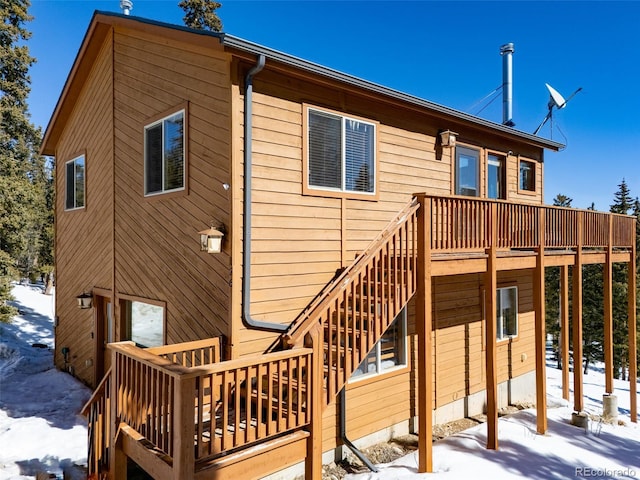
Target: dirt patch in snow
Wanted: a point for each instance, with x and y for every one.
(401, 446)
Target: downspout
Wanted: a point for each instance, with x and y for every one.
(343, 432)
(246, 220)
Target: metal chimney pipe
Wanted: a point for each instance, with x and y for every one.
(126, 6)
(506, 51)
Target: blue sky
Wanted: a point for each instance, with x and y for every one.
(445, 52)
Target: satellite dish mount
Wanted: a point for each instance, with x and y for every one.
(555, 100)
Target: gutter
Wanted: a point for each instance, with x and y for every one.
(247, 319)
(343, 432)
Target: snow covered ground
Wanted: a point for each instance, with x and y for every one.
(41, 430)
(40, 426)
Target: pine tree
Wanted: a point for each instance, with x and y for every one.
(201, 14)
(23, 174)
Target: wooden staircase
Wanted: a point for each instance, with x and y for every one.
(269, 402)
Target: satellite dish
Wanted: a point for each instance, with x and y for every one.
(555, 97)
(555, 100)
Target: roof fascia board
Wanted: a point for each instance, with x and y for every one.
(314, 68)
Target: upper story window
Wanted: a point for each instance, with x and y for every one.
(389, 352)
(75, 183)
(527, 179)
(507, 313)
(467, 171)
(341, 153)
(496, 185)
(164, 155)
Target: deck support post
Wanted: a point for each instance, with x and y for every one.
(490, 292)
(313, 461)
(424, 330)
(576, 301)
(607, 274)
(540, 332)
(184, 461)
(633, 361)
(564, 329)
(117, 458)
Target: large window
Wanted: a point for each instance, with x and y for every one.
(164, 155)
(75, 183)
(341, 153)
(496, 177)
(467, 171)
(527, 176)
(507, 312)
(389, 352)
(144, 323)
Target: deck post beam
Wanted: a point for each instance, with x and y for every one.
(631, 320)
(576, 301)
(564, 329)
(424, 327)
(184, 461)
(313, 461)
(540, 333)
(490, 292)
(607, 274)
(117, 457)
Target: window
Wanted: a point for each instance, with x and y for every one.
(341, 153)
(495, 177)
(75, 178)
(527, 176)
(389, 352)
(507, 312)
(164, 156)
(466, 175)
(144, 323)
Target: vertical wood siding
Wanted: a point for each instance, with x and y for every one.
(157, 247)
(84, 246)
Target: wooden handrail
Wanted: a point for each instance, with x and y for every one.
(303, 323)
(191, 354)
(97, 394)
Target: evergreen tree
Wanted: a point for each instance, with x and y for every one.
(23, 174)
(201, 14)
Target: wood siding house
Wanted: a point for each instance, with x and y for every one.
(376, 275)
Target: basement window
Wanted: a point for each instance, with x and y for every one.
(340, 154)
(164, 155)
(75, 183)
(506, 313)
(390, 352)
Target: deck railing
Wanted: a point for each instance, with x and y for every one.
(464, 224)
(191, 354)
(98, 413)
(222, 406)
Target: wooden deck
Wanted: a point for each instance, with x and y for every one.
(179, 410)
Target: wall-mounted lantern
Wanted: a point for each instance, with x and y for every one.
(84, 300)
(448, 138)
(211, 239)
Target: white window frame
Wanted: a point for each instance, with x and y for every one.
(533, 173)
(500, 320)
(75, 192)
(343, 162)
(147, 127)
(499, 161)
(402, 318)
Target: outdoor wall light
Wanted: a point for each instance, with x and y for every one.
(211, 239)
(448, 138)
(84, 300)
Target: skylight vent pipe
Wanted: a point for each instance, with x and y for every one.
(507, 51)
(126, 6)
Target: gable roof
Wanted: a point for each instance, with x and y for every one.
(102, 22)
